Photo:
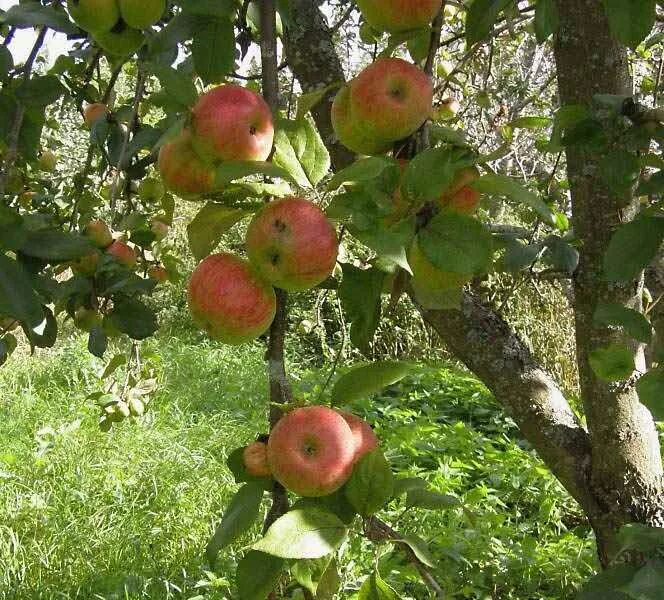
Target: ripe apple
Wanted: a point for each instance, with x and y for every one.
(254, 457)
(86, 265)
(229, 300)
(447, 109)
(311, 451)
(94, 112)
(99, 233)
(387, 101)
(151, 190)
(460, 196)
(349, 132)
(123, 253)
(141, 14)
(231, 122)
(94, 15)
(158, 273)
(364, 436)
(292, 244)
(47, 160)
(432, 287)
(395, 16)
(159, 229)
(182, 170)
(121, 41)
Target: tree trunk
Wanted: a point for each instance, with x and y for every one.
(626, 470)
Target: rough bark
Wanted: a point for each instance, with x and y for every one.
(310, 52)
(626, 470)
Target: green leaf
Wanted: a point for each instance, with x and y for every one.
(209, 225)
(648, 581)
(45, 334)
(303, 533)
(12, 232)
(428, 499)
(632, 247)
(213, 49)
(418, 45)
(6, 62)
(33, 14)
(40, 91)
(643, 538)
(329, 583)
(456, 243)
(54, 245)
(371, 485)
(404, 484)
(546, 19)
(237, 169)
(650, 388)
(307, 101)
(530, 122)
(630, 21)
(612, 363)
(481, 17)
(97, 341)
(632, 321)
(359, 293)
(653, 185)
(561, 254)
(603, 586)
(241, 514)
(114, 364)
(135, 319)
(501, 185)
(361, 171)
(620, 170)
(299, 149)
(176, 31)
(308, 573)
(374, 588)
(258, 574)
(364, 380)
(211, 8)
(17, 296)
(178, 84)
(420, 549)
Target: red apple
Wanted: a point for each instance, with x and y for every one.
(460, 196)
(158, 273)
(255, 460)
(229, 300)
(94, 112)
(311, 451)
(231, 122)
(182, 170)
(123, 253)
(86, 265)
(365, 438)
(292, 244)
(396, 16)
(99, 233)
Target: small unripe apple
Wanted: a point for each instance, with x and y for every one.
(99, 233)
(122, 408)
(483, 99)
(86, 318)
(229, 300)
(182, 170)
(254, 457)
(311, 451)
(158, 273)
(447, 109)
(94, 15)
(460, 196)
(151, 190)
(141, 14)
(365, 438)
(47, 160)
(159, 229)
(121, 41)
(396, 16)
(86, 265)
(136, 407)
(292, 244)
(231, 122)
(123, 253)
(94, 112)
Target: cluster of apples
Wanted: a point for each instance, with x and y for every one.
(312, 450)
(117, 410)
(290, 244)
(116, 24)
(228, 123)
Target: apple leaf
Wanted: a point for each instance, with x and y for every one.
(630, 21)
(308, 573)
(420, 549)
(612, 363)
(648, 581)
(637, 536)
(307, 101)
(134, 318)
(238, 518)
(33, 14)
(374, 588)
(620, 170)
(632, 247)
(546, 19)
(97, 341)
(501, 185)
(329, 583)
(456, 243)
(299, 149)
(366, 379)
(18, 298)
(632, 321)
(361, 171)
(258, 574)
(303, 533)
(404, 484)
(481, 17)
(371, 485)
(359, 293)
(420, 497)
(605, 585)
(237, 169)
(209, 225)
(650, 388)
(56, 246)
(213, 49)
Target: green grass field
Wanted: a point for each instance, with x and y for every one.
(126, 514)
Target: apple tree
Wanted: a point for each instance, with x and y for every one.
(370, 156)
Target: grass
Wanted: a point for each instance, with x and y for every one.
(126, 514)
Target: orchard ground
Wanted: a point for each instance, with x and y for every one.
(84, 514)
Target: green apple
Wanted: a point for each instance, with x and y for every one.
(141, 14)
(121, 41)
(94, 15)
